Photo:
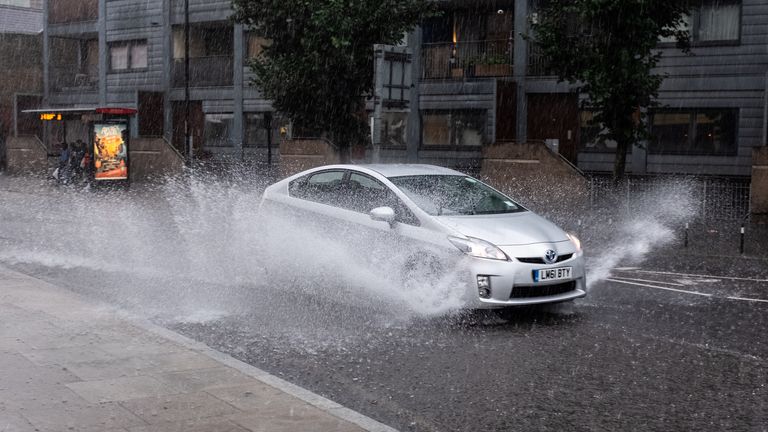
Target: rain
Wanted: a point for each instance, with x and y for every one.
(159, 185)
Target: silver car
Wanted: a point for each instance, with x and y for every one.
(437, 218)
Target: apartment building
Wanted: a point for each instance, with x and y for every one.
(482, 81)
(130, 53)
(477, 80)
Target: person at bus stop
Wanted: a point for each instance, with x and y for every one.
(64, 167)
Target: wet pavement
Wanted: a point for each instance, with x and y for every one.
(674, 340)
(69, 363)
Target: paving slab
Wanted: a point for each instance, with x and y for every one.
(68, 363)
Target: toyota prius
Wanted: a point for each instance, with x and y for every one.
(513, 256)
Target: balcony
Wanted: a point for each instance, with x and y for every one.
(479, 59)
(537, 63)
(212, 71)
(72, 11)
(74, 78)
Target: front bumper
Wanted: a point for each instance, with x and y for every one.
(512, 283)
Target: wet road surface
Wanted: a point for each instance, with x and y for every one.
(676, 342)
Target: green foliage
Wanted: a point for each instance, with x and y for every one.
(608, 49)
(319, 65)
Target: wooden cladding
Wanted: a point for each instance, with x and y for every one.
(67, 11)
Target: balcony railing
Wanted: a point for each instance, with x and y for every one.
(71, 11)
(537, 63)
(214, 71)
(479, 59)
(74, 77)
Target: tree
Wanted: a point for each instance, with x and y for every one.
(608, 49)
(318, 64)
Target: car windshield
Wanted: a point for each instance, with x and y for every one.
(454, 195)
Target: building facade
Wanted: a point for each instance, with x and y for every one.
(130, 53)
(21, 27)
(482, 81)
(477, 80)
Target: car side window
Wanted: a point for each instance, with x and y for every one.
(363, 194)
(323, 187)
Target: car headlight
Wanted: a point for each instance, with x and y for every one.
(576, 241)
(478, 248)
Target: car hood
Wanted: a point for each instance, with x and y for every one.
(509, 229)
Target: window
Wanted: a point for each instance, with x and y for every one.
(323, 187)
(394, 130)
(363, 194)
(128, 55)
(255, 132)
(588, 136)
(216, 132)
(255, 45)
(694, 132)
(212, 40)
(712, 22)
(458, 128)
(454, 195)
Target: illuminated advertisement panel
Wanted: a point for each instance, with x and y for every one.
(110, 151)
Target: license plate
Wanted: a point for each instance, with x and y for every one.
(552, 274)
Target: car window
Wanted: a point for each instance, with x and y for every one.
(323, 187)
(454, 195)
(363, 194)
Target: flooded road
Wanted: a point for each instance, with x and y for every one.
(666, 342)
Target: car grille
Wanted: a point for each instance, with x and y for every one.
(542, 290)
(560, 258)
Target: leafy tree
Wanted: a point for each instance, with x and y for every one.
(318, 65)
(607, 48)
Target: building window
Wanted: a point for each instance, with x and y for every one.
(255, 45)
(217, 130)
(589, 136)
(394, 130)
(130, 55)
(255, 132)
(456, 128)
(694, 132)
(712, 22)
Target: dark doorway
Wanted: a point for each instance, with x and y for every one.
(506, 111)
(555, 116)
(151, 115)
(196, 123)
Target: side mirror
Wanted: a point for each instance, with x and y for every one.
(383, 214)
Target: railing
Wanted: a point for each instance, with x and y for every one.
(74, 77)
(69, 11)
(214, 71)
(704, 199)
(537, 62)
(479, 59)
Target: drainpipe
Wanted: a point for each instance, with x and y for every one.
(765, 112)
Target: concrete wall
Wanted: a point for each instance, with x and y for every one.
(759, 188)
(301, 154)
(534, 174)
(152, 157)
(26, 155)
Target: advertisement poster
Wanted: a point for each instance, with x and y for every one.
(110, 151)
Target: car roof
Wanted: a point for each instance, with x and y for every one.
(400, 170)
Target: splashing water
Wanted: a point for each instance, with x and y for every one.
(196, 248)
(648, 225)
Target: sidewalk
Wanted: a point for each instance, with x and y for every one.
(69, 364)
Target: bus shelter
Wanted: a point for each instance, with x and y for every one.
(105, 133)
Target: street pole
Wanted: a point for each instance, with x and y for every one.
(187, 144)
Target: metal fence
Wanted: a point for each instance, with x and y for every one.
(706, 198)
